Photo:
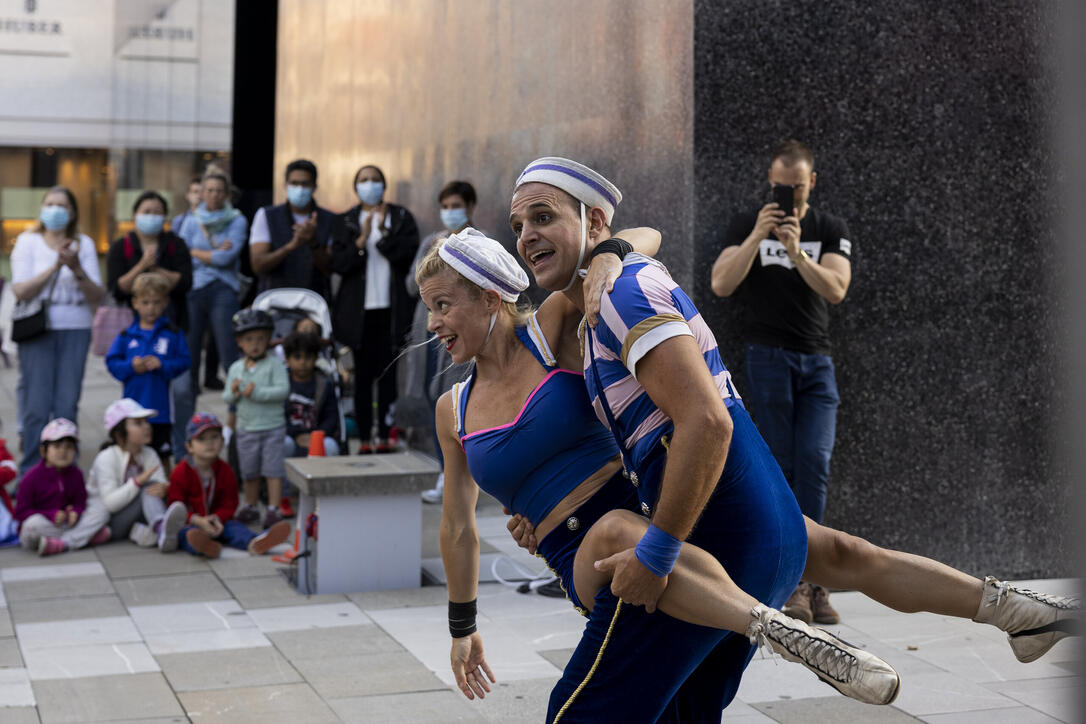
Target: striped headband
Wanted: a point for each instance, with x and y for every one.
(577, 180)
(485, 263)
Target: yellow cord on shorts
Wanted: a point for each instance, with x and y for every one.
(595, 664)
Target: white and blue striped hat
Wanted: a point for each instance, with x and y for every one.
(485, 263)
(577, 180)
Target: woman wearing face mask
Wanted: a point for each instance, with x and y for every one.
(426, 371)
(373, 245)
(151, 248)
(55, 263)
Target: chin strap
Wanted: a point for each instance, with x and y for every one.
(580, 257)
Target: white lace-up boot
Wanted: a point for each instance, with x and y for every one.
(1034, 621)
(853, 672)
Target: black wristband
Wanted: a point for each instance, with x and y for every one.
(462, 619)
(614, 245)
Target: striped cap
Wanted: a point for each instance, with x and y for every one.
(485, 263)
(577, 180)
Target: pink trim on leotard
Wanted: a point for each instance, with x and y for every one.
(527, 402)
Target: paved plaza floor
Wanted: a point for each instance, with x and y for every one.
(119, 633)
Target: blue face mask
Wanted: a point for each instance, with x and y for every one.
(150, 224)
(454, 219)
(370, 192)
(299, 196)
(54, 218)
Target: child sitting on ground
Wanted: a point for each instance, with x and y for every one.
(257, 383)
(312, 402)
(149, 354)
(127, 474)
(51, 499)
(203, 495)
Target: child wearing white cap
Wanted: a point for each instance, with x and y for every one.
(51, 504)
(127, 474)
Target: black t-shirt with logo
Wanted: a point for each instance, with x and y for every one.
(780, 310)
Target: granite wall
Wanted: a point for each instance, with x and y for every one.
(931, 124)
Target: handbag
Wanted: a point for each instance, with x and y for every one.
(30, 318)
(109, 320)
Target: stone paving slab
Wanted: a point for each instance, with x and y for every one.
(272, 591)
(105, 698)
(384, 673)
(10, 658)
(363, 640)
(179, 588)
(257, 705)
(837, 709)
(60, 609)
(230, 669)
(52, 588)
(426, 707)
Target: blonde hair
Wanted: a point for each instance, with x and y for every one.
(432, 265)
(151, 283)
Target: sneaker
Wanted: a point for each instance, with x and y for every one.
(366, 448)
(285, 508)
(270, 538)
(51, 546)
(1033, 621)
(821, 610)
(247, 514)
(202, 543)
(102, 536)
(214, 383)
(435, 494)
(271, 517)
(172, 523)
(854, 672)
(143, 535)
(798, 605)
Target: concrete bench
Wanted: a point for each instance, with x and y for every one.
(369, 535)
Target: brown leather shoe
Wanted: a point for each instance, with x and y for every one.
(203, 543)
(798, 605)
(821, 610)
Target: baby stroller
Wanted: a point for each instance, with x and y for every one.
(288, 305)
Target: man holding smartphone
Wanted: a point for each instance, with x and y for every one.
(787, 262)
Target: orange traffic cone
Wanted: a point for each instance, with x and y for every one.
(290, 555)
(316, 443)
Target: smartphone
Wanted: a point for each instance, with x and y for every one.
(785, 196)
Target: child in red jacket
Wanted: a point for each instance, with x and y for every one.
(203, 496)
(9, 527)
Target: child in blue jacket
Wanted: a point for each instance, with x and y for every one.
(150, 353)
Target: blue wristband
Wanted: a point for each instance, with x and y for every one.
(658, 550)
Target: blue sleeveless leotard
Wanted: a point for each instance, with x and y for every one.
(555, 442)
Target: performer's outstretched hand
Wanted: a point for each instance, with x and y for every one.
(469, 666)
(631, 581)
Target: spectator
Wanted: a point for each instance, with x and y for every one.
(288, 244)
(257, 383)
(215, 233)
(426, 370)
(127, 475)
(192, 198)
(312, 403)
(787, 266)
(52, 498)
(148, 355)
(151, 248)
(373, 246)
(9, 526)
(211, 351)
(57, 264)
(203, 495)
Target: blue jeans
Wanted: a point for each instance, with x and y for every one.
(795, 400)
(213, 305)
(234, 534)
(50, 384)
